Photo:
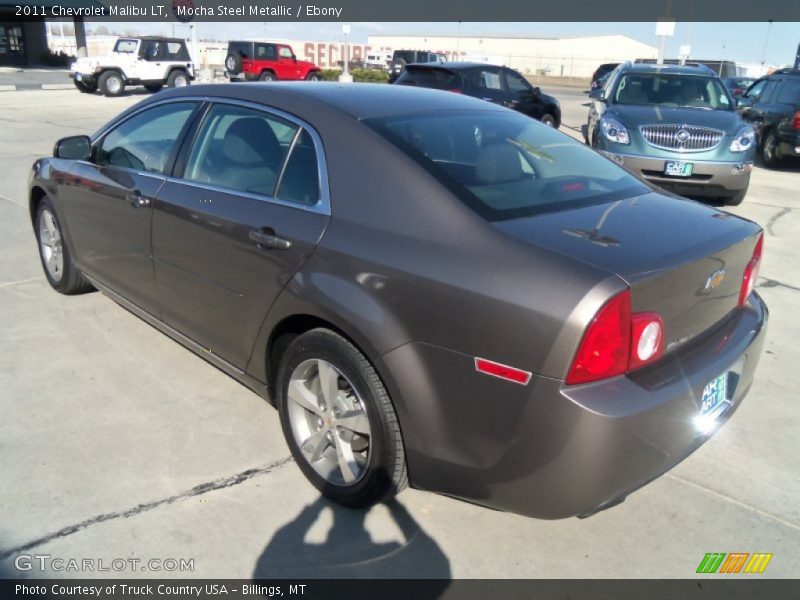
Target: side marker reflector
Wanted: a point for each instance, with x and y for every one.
(502, 371)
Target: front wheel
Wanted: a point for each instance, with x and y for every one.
(111, 83)
(56, 260)
(178, 79)
(338, 420)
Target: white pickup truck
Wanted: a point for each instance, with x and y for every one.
(149, 61)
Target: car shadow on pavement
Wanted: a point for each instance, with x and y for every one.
(349, 552)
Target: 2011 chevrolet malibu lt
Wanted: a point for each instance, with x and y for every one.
(432, 289)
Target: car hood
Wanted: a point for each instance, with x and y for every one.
(633, 116)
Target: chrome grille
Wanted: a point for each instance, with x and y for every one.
(681, 137)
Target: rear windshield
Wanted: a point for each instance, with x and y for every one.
(672, 90)
(406, 55)
(504, 165)
(439, 79)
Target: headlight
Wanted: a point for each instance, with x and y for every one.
(744, 139)
(614, 131)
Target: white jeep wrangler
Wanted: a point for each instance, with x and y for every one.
(149, 61)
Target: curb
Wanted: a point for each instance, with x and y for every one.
(27, 87)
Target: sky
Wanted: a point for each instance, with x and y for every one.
(741, 42)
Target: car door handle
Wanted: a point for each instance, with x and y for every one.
(266, 237)
(136, 200)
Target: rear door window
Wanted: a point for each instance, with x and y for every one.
(265, 52)
(240, 149)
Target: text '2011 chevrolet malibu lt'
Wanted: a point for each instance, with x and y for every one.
(432, 290)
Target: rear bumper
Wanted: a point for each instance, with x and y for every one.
(549, 450)
(717, 179)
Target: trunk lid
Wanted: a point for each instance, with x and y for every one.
(680, 258)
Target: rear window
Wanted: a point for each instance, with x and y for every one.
(406, 55)
(506, 165)
(439, 79)
(243, 49)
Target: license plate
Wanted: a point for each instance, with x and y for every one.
(715, 395)
(78, 77)
(676, 168)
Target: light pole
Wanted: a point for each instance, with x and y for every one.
(345, 77)
(458, 41)
(766, 42)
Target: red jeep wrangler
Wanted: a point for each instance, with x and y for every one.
(266, 61)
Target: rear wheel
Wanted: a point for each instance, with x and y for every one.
(549, 120)
(84, 87)
(313, 76)
(56, 260)
(770, 155)
(339, 421)
(111, 83)
(267, 76)
(178, 78)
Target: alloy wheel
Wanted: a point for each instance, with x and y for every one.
(51, 245)
(329, 422)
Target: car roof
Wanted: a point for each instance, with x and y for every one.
(307, 100)
(676, 69)
(154, 37)
(455, 66)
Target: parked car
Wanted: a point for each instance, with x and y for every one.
(489, 310)
(675, 126)
(267, 61)
(499, 85)
(738, 85)
(601, 73)
(401, 58)
(378, 60)
(772, 106)
(151, 61)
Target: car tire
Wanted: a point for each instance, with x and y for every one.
(267, 76)
(233, 64)
(60, 271)
(178, 78)
(355, 467)
(549, 120)
(85, 88)
(769, 150)
(153, 87)
(737, 198)
(111, 83)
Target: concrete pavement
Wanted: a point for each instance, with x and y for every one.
(117, 443)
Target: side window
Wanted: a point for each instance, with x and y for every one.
(145, 141)
(240, 149)
(151, 50)
(790, 91)
(516, 83)
(490, 79)
(265, 52)
(300, 180)
(285, 52)
(175, 51)
(768, 95)
(756, 90)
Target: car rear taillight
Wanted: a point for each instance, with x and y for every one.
(796, 121)
(617, 342)
(751, 272)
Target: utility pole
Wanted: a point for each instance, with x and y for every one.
(766, 42)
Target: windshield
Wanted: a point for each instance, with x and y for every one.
(125, 46)
(672, 90)
(506, 165)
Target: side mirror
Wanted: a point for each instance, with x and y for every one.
(536, 91)
(74, 147)
(294, 57)
(596, 94)
(743, 102)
